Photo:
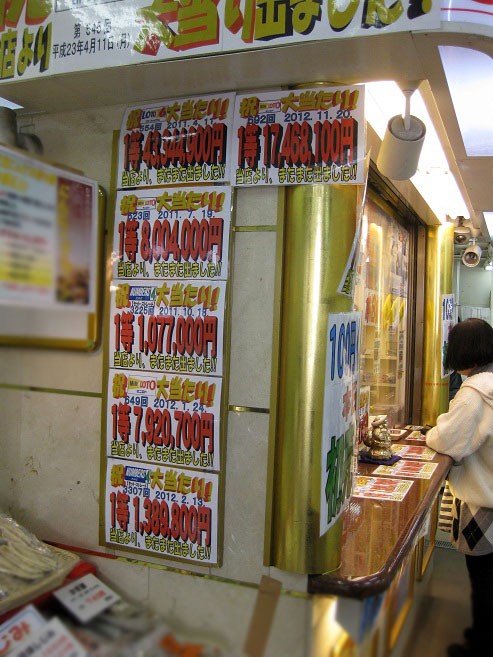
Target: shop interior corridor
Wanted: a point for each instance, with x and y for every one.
(444, 610)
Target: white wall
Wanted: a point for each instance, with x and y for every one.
(472, 286)
(50, 429)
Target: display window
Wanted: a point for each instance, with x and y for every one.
(382, 297)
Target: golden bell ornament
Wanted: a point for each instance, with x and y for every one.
(378, 439)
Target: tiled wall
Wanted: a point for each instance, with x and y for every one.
(50, 436)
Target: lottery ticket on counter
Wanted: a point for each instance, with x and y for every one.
(381, 488)
(404, 468)
(414, 452)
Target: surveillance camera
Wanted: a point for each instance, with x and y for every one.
(472, 256)
(461, 238)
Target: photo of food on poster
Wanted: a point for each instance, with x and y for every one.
(164, 511)
(300, 136)
(180, 232)
(339, 425)
(168, 326)
(176, 141)
(173, 419)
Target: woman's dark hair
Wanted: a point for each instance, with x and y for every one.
(470, 344)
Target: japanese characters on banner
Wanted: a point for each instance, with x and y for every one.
(164, 418)
(48, 235)
(339, 417)
(167, 316)
(44, 38)
(184, 140)
(172, 233)
(301, 136)
(174, 325)
(170, 266)
(172, 512)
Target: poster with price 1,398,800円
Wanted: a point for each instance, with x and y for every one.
(176, 141)
(172, 326)
(300, 136)
(172, 419)
(180, 232)
(162, 510)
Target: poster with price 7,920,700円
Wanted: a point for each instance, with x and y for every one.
(164, 418)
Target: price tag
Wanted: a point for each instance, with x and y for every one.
(52, 640)
(86, 597)
(19, 628)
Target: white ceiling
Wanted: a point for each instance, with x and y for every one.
(401, 57)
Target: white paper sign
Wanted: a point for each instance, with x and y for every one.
(19, 629)
(175, 327)
(339, 421)
(311, 136)
(86, 597)
(52, 640)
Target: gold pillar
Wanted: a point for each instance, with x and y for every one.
(439, 272)
(318, 232)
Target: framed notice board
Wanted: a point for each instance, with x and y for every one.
(51, 234)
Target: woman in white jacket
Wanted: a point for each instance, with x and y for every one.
(465, 433)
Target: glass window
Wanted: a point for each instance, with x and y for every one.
(381, 295)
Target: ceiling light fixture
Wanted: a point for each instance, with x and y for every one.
(399, 153)
(433, 178)
(469, 75)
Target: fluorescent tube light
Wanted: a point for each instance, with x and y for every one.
(469, 76)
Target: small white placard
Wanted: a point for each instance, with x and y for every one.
(86, 597)
(52, 640)
(20, 628)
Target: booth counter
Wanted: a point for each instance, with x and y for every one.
(387, 549)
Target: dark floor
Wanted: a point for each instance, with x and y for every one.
(444, 611)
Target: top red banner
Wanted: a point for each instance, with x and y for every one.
(44, 38)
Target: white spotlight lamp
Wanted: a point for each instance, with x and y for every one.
(472, 255)
(401, 146)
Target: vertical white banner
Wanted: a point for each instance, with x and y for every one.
(448, 304)
(339, 420)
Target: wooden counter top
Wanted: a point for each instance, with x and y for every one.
(378, 534)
